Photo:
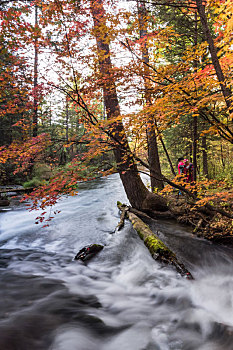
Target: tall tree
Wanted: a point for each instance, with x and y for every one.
(137, 193)
(35, 79)
(153, 154)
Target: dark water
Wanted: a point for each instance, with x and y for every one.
(120, 300)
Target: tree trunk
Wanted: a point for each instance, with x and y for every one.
(168, 157)
(222, 156)
(195, 121)
(204, 157)
(153, 154)
(35, 82)
(213, 52)
(67, 121)
(194, 148)
(136, 191)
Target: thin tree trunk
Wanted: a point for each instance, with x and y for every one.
(136, 191)
(195, 120)
(205, 157)
(222, 156)
(67, 121)
(35, 82)
(195, 148)
(168, 157)
(153, 154)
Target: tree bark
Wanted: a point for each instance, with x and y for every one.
(213, 52)
(195, 120)
(204, 157)
(194, 148)
(167, 155)
(35, 81)
(67, 121)
(137, 193)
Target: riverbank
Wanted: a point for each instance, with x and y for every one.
(10, 196)
(205, 223)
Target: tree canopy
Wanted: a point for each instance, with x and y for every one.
(91, 87)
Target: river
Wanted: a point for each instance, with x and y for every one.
(120, 300)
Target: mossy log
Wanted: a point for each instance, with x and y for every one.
(158, 250)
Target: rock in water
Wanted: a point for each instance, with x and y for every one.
(4, 202)
(88, 252)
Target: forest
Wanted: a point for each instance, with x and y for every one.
(93, 87)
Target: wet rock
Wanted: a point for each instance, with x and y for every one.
(4, 202)
(88, 252)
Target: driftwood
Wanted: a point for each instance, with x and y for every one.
(121, 223)
(159, 251)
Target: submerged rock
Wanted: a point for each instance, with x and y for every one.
(88, 252)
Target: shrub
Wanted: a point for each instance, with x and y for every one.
(34, 182)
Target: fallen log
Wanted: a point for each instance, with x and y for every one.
(17, 190)
(122, 218)
(158, 250)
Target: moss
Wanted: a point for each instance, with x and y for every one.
(158, 250)
(97, 246)
(155, 245)
(140, 233)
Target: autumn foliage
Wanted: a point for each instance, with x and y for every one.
(183, 84)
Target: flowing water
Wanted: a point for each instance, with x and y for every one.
(120, 300)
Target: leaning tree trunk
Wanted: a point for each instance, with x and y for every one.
(139, 196)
